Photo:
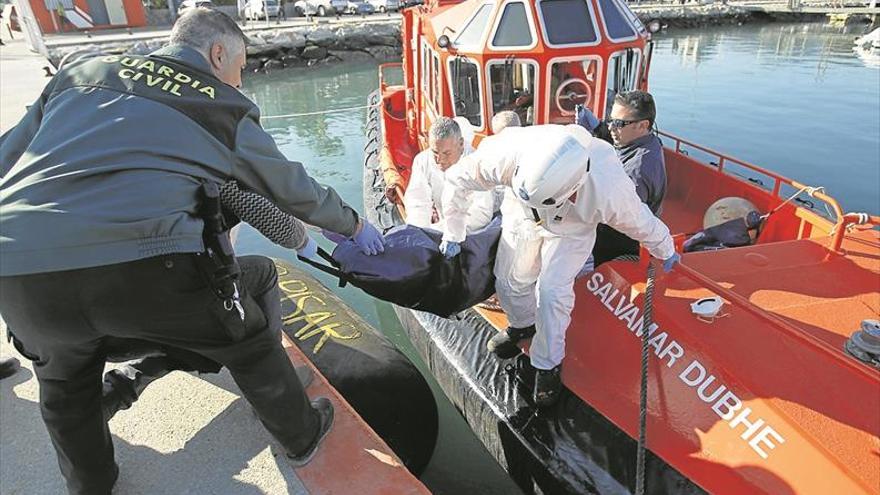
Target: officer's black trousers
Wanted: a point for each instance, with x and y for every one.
(63, 320)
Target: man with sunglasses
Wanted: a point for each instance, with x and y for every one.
(631, 129)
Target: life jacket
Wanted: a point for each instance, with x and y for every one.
(412, 272)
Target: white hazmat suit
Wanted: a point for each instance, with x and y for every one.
(425, 191)
(538, 261)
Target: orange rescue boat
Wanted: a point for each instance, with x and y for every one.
(763, 400)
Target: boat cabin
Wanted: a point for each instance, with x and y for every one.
(793, 298)
(538, 58)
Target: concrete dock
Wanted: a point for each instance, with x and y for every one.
(186, 434)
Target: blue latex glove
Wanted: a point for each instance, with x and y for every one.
(670, 262)
(369, 239)
(450, 249)
(585, 118)
(333, 236)
(309, 250)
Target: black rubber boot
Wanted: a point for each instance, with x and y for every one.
(548, 384)
(324, 408)
(8, 367)
(504, 344)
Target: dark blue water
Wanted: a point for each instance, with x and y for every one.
(791, 98)
(331, 147)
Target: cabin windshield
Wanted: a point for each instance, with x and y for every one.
(472, 33)
(512, 87)
(617, 25)
(572, 82)
(467, 102)
(623, 75)
(513, 29)
(568, 23)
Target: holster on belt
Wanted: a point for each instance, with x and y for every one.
(218, 245)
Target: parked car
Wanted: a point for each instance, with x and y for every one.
(353, 7)
(385, 5)
(188, 4)
(261, 9)
(319, 8)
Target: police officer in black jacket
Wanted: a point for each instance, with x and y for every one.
(104, 236)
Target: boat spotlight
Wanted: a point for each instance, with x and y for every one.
(443, 41)
(654, 26)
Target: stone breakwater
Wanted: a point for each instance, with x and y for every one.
(687, 16)
(292, 46)
(307, 46)
(691, 15)
(379, 40)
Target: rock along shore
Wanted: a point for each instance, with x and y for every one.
(316, 44)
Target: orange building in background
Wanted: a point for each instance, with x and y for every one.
(58, 16)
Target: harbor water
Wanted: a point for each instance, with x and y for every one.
(792, 98)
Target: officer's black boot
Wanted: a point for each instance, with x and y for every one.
(324, 409)
(548, 385)
(8, 367)
(504, 344)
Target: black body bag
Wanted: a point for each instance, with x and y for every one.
(414, 274)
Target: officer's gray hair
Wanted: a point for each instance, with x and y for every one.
(445, 128)
(504, 119)
(200, 28)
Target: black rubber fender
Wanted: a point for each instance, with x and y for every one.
(378, 380)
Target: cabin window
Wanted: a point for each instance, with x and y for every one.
(435, 80)
(513, 28)
(623, 75)
(512, 87)
(430, 76)
(423, 73)
(464, 79)
(572, 82)
(633, 18)
(568, 22)
(616, 24)
(472, 33)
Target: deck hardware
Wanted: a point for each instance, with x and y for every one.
(864, 344)
(707, 309)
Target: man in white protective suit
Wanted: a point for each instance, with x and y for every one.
(448, 140)
(560, 183)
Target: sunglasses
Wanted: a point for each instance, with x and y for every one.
(619, 123)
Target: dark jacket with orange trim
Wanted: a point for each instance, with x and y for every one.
(105, 167)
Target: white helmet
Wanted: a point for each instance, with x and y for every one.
(549, 173)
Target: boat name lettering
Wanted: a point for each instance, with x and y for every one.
(760, 436)
(317, 322)
(157, 75)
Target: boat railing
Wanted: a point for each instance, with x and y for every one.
(836, 214)
(721, 163)
(382, 77)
